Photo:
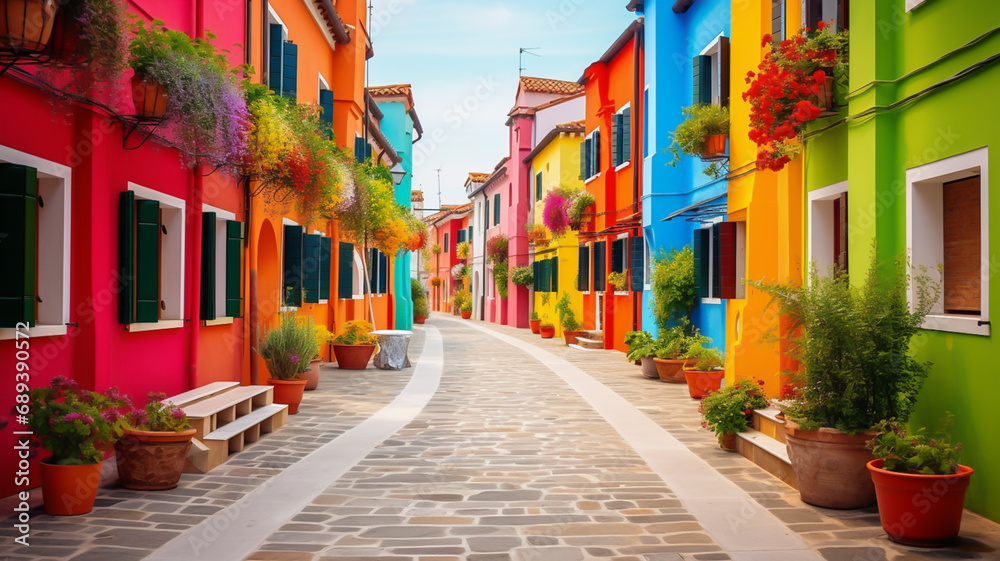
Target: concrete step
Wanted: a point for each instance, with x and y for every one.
(764, 445)
(594, 335)
(588, 343)
(767, 422)
(580, 348)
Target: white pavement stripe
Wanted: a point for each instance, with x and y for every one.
(735, 520)
(237, 531)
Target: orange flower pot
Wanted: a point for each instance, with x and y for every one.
(149, 98)
(571, 336)
(534, 323)
(311, 376)
(152, 459)
(715, 146)
(353, 357)
(729, 441)
(547, 331)
(672, 370)
(70, 490)
(831, 466)
(419, 319)
(288, 392)
(700, 383)
(466, 314)
(26, 25)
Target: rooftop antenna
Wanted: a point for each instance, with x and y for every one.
(520, 58)
(439, 187)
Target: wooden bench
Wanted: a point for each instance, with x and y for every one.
(193, 396)
(233, 436)
(209, 414)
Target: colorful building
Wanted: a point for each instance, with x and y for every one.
(477, 236)
(613, 141)
(495, 219)
(446, 229)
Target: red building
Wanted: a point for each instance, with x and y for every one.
(445, 230)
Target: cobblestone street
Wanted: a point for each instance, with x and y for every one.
(495, 446)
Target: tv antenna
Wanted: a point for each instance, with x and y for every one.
(520, 58)
(439, 186)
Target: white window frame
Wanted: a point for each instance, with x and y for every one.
(597, 165)
(52, 245)
(911, 4)
(821, 226)
(646, 132)
(712, 298)
(924, 231)
(647, 263)
(713, 50)
(221, 216)
(628, 161)
(173, 212)
(321, 84)
(357, 277)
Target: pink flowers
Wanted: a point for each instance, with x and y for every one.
(79, 417)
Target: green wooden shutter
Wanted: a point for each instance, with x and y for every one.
(583, 160)
(637, 265)
(545, 269)
(617, 256)
(595, 159)
(588, 166)
(496, 209)
(18, 225)
(289, 71)
(626, 135)
(383, 271)
(701, 257)
(555, 274)
(470, 234)
(291, 278)
(326, 102)
(208, 271)
(616, 139)
(702, 79)
(359, 149)
(583, 276)
(147, 261)
(345, 279)
(534, 275)
(600, 267)
(234, 268)
(310, 268)
(538, 186)
(276, 59)
(126, 256)
(324, 268)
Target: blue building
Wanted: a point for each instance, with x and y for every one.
(398, 122)
(687, 62)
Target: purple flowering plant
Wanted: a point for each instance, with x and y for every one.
(156, 416)
(74, 424)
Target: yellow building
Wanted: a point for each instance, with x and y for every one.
(555, 162)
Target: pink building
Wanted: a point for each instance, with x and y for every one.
(495, 211)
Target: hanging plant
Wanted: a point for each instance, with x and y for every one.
(522, 276)
(435, 281)
(702, 124)
(462, 250)
(783, 93)
(496, 249)
(537, 235)
(555, 213)
(418, 238)
(436, 249)
(581, 203)
(500, 272)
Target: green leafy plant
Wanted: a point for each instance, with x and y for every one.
(522, 276)
(725, 411)
(853, 344)
(460, 299)
(356, 332)
(641, 344)
(707, 357)
(914, 452)
(436, 249)
(674, 293)
(419, 297)
(566, 316)
(288, 348)
(156, 416)
(690, 137)
(675, 343)
(462, 250)
(75, 424)
(500, 272)
(533, 316)
(579, 207)
(103, 35)
(618, 280)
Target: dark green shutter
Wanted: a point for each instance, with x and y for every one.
(291, 279)
(359, 149)
(470, 236)
(18, 226)
(126, 256)
(234, 268)
(626, 135)
(600, 268)
(289, 71)
(383, 271)
(538, 186)
(345, 280)
(595, 160)
(486, 215)
(496, 209)
(638, 264)
(583, 160)
(368, 151)
(702, 79)
(208, 265)
(147, 261)
(461, 235)
(617, 256)
(588, 157)
(534, 273)
(701, 257)
(326, 102)
(555, 274)
(544, 268)
(324, 268)
(310, 268)
(616, 139)
(583, 276)
(275, 62)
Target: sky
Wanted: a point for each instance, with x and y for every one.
(461, 58)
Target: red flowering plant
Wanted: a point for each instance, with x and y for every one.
(75, 424)
(496, 248)
(555, 213)
(783, 92)
(156, 416)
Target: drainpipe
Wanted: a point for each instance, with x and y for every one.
(482, 265)
(637, 102)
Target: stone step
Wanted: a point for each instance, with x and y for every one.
(580, 348)
(594, 335)
(767, 453)
(587, 343)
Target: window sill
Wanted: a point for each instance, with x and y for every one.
(711, 300)
(624, 165)
(956, 324)
(585, 292)
(621, 293)
(157, 326)
(217, 321)
(590, 179)
(284, 309)
(9, 333)
(324, 302)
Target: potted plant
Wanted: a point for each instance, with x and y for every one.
(674, 292)
(420, 308)
(567, 319)
(534, 322)
(707, 374)
(618, 281)
(436, 249)
(642, 349)
(856, 369)
(538, 236)
(546, 329)
(76, 426)
(702, 134)
(522, 276)
(153, 448)
(355, 346)
(287, 351)
(555, 213)
(436, 282)
(919, 484)
(311, 375)
(26, 25)
(728, 411)
(461, 300)
(581, 209)
(463, 250)
(672, 349)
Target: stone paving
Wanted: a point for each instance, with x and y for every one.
(506, 462)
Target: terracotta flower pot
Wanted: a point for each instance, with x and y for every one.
(311, 376)
(353, 357)
(649, 368)
(149, 98)
(825, 99)
(152, 459)
(26, 25)
(547, 331)
(672, 370)
(715, 146)
(288, 392)
(534, 323)
(922, 510)
(700, 383)
(831, 466)
(419, 319)
(571, 336)
(729, 441)
(466, 314)
(69, 490)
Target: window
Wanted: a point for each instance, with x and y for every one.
(711, 73)
(828, 228)
(637, 269)
(35, 247)
(619, 255)
(486, 214)
(325, 101)
(947, 221)
(590, 156)
(446, 244)
(547, 274)
(316, 250)
(283, 58)
(814, 11)
(600, 269)
(221, 264)
(470, 234)
(151, 258)
(621, 136)
(647, 268)
(538, 186)
(583, 276)
(645, 122)
(719, 261)
(362, 149)
(350, 282)
(378, 271)
(778, 19)
(291, 257)
(496, 209)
